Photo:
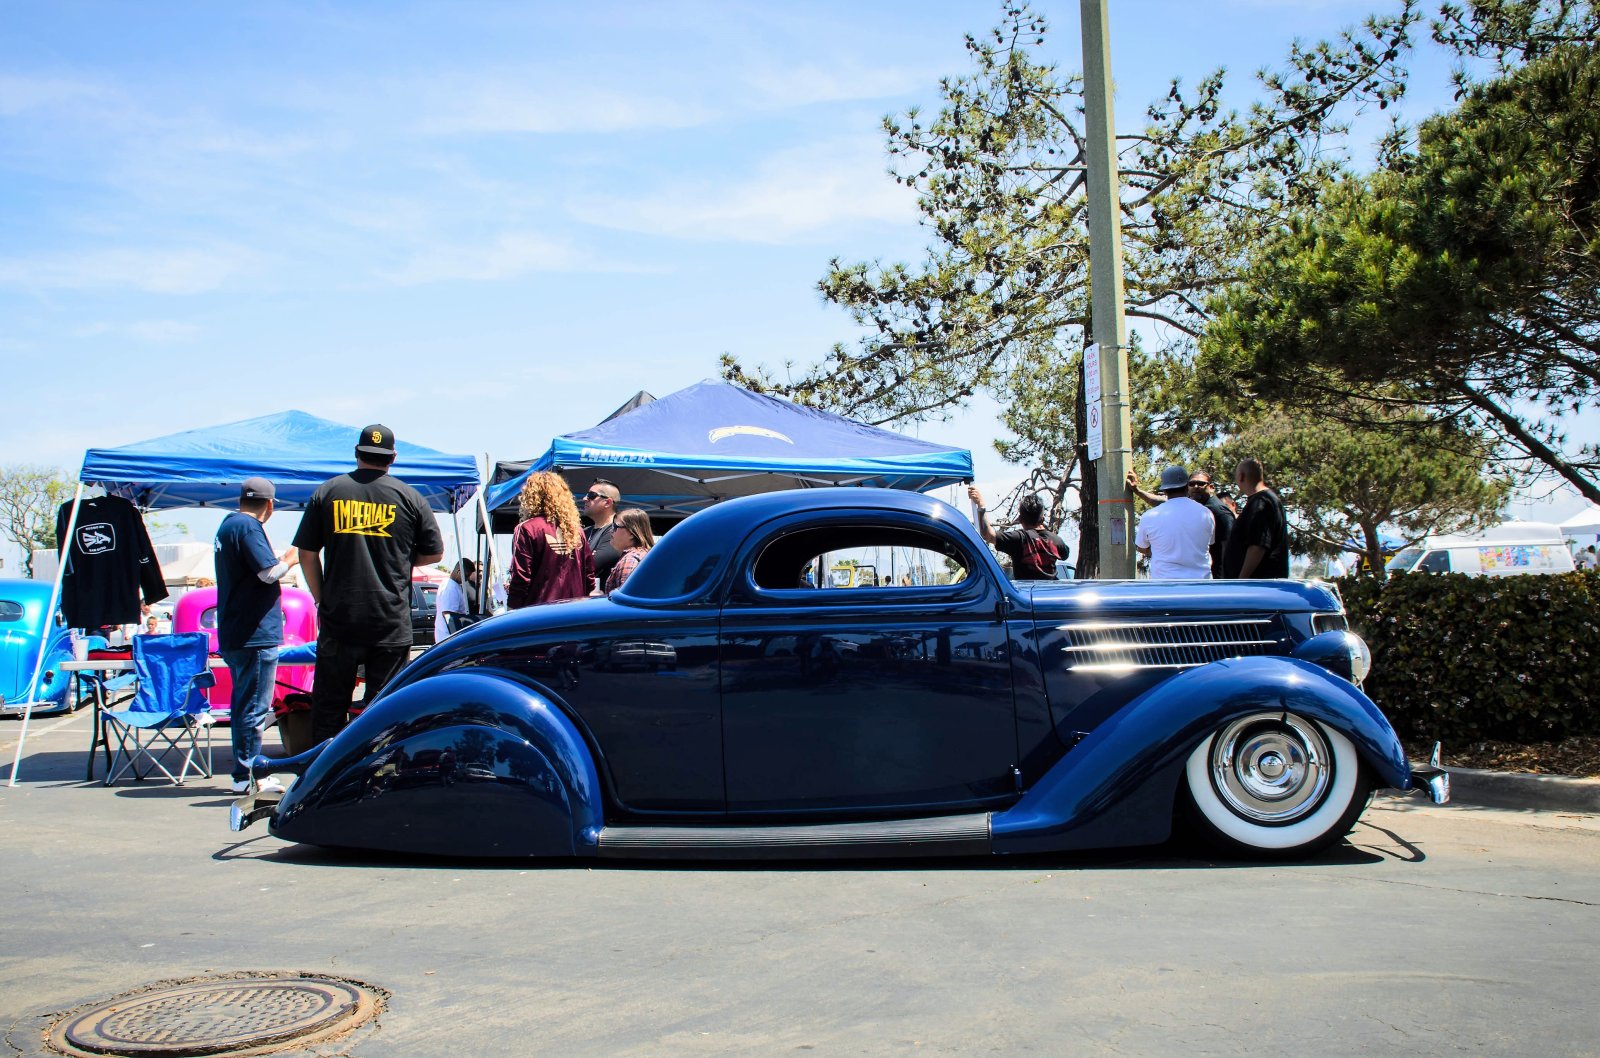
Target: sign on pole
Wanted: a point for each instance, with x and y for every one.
(1091, 394)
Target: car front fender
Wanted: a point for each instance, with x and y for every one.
(457, 764)
(1117, 785)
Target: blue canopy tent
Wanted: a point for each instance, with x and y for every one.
(205, 467)
(294, 450)
(714, 441)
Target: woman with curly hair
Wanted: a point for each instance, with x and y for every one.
(634, 539)
(550, 559)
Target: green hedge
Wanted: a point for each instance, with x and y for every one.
(1459, 659)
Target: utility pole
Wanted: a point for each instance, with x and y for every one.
(1110, 435)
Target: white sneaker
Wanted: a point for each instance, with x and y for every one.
(267, 785)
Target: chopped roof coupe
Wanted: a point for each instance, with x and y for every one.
(723, 705)
(24, 622)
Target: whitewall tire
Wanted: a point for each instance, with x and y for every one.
(1275, 784)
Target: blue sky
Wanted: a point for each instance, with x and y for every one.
(480, 223)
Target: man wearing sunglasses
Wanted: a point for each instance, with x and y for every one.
(600, 508)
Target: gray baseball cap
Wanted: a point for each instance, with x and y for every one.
(256, 489)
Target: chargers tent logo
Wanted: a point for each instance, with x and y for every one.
(724, 432)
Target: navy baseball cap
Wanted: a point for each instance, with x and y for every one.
(376, 440)
(1174, 478)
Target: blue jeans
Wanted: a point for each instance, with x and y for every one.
(254, 671)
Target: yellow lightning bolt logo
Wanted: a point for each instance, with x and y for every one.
(362, 518)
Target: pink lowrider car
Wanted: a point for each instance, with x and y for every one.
(197, 612)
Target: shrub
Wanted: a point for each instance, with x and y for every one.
(1459, 658)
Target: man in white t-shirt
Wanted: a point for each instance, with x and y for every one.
(1176, 536)
(453, 596)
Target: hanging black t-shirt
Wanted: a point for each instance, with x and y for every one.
(109, 565)
(1261, 524)
(369, 527)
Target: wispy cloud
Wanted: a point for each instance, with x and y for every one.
(809, 83)
(20, 93)
(150, 332)
(510, 255)
(792, 195)
(510, 106)
(152, 270)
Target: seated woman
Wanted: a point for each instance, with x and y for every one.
(632, 537)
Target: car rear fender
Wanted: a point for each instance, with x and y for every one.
(460, 763)
(1117, 785)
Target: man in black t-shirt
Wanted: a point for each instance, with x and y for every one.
(360, 537)
(600, 507)
(1258, 547)
(1034, 550)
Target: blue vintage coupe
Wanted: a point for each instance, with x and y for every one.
(23, 623)
(723, 704)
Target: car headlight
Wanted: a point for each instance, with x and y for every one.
(1360, 658)
(1340, 652)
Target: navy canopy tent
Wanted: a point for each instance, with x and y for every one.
(293, 450)
(714, 441)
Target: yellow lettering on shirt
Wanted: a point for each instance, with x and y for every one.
(362, 517)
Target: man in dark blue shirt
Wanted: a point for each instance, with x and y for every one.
(249, 618)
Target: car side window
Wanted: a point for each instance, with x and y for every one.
(865, 557)
(10, 611)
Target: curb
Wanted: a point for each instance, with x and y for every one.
(1507, 789)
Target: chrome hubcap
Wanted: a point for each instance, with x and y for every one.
(1272, 768)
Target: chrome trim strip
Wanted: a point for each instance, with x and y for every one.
(1134, 666)
(1101, 626)
(1175, 646)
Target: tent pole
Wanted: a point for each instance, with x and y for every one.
(486, 537)
(64, 553)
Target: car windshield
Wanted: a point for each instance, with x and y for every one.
(1403, 560)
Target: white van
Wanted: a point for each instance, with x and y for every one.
(1504, 550)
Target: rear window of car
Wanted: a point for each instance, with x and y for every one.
(681, 563)
(10, 611)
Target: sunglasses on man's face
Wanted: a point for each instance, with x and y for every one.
(595, 496)
(1199, 484)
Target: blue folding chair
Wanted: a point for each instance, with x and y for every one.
(168, 711)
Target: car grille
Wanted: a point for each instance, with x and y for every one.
(1129, 646)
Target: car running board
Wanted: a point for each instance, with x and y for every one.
(963, 835)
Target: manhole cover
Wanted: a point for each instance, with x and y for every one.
(236, 1015)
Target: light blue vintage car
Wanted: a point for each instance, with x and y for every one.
(23, 623)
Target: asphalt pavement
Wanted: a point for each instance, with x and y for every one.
(1431, 931)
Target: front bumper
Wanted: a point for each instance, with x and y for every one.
(1432, 779)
